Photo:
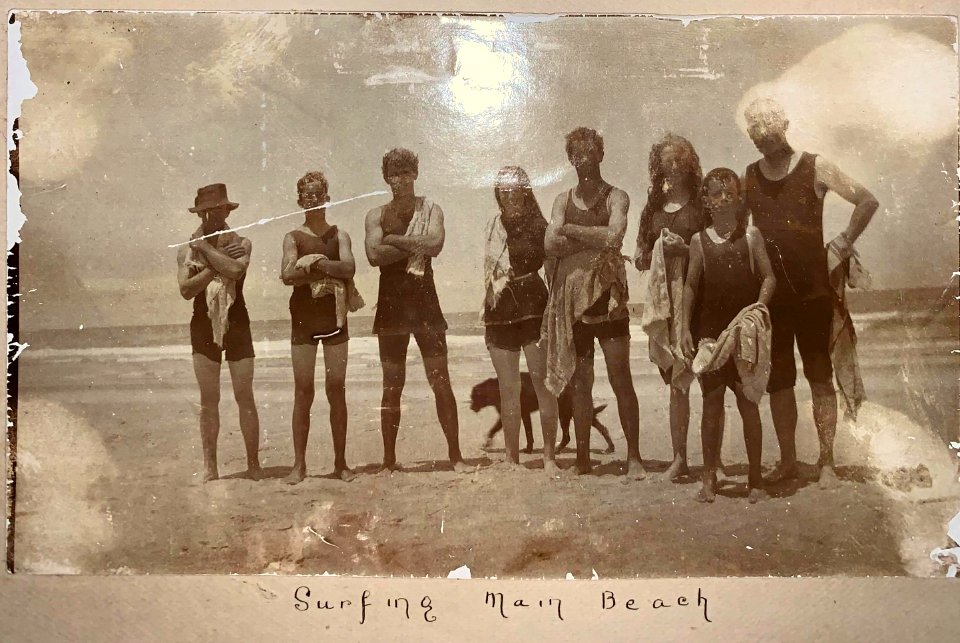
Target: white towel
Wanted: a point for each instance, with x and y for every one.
(419, 225)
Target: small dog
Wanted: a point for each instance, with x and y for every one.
(487, 393)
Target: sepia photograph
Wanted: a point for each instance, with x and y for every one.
(483, 296)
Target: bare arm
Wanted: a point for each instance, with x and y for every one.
(759, 251)
(345, 267)
(690, 288)
(429, 244)
(191, 285)
(829, 177)
(556, 244)
(289, 273)
(603, 237)
(223, 263)
(378, 252)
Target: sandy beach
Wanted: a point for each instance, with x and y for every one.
(109, 478)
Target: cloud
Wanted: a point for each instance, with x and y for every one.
(73, 67)
(874, 81)
(254, 44)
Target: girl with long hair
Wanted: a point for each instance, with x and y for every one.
(515, 298)
(673, 204)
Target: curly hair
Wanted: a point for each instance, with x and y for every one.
(313, 177)
(584, 134)
(767, 113)
(693, 176)
(401, 157)
(516, 178)
(725, 175)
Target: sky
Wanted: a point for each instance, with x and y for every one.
(136, 111)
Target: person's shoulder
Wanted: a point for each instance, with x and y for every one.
(374, 214)
(752, 233)
(696, 242)
(342, 235)
(618, 194)
(182, 253)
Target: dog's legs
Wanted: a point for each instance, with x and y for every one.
(598, 425)
(528, 431)
(488, 443)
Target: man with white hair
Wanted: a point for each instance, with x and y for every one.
(785, 191)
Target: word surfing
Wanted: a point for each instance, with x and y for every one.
(398, 604)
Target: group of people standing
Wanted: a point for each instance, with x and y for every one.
(740, 260)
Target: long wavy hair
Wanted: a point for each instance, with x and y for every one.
(723, 175)
(692, 172)
(515, 178)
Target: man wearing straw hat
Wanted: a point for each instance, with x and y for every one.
(211, 272)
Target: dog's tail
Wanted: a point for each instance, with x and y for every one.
(599, 409)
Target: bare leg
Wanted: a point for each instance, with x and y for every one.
(507, 365)
(679, 427)
(825, 417)
(335, 377)
(208, 377)
(241, 375)
(753, 438)
(581, 389)
(616, 352)
(783, 407)
(723, 422)
(537, 365)
(709, 437)
(438, 377)
(304, 359)
(394, 377)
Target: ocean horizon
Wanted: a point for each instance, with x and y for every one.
(886, 308)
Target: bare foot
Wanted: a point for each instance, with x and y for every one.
(635, 470)
(462, 467)
(782, 473)
(677, 469)
(551, 469)
(828, 478)
(706, 494)
(756, 495)
(296, 475)
(254, 473)
(345, 474)
(390, 468)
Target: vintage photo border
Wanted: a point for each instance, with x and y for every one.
(186, 608)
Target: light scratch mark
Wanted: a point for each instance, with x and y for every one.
(329, 204)
(322, 539)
